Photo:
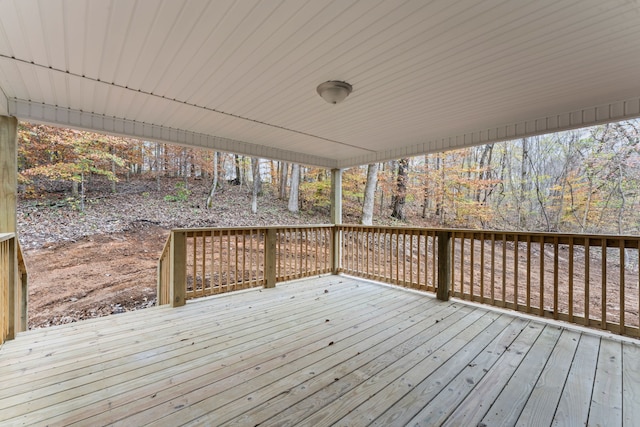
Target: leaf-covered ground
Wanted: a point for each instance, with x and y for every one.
(103, 260)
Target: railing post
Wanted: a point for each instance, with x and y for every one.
(336, 246)
(178, 260)
(159, 283)
(22, 294)
(13, 283)
(270, 258)
(444, 265)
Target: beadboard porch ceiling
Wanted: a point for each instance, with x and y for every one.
(241, 76)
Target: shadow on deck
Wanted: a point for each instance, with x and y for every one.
(316, 352)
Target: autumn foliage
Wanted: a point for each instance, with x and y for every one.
(585, 180)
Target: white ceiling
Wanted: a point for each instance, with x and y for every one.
(241, 76)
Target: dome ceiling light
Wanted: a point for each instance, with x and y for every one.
(334, 91)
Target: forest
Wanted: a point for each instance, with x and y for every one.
(584, 180)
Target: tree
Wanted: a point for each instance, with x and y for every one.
(401, 190)
(68, 155)
(214, 184)
(284, 171)
(257, 184)
(294, 188)
(369, 194)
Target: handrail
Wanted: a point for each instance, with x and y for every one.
(13, 288)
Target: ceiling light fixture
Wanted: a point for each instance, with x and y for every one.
(334, 91)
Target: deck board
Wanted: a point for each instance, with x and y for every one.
(332, 350)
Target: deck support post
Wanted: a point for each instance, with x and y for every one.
(444, 265)
(8, 173)
(336, 219)
(270, 258)
(8, 204)
(178, 268)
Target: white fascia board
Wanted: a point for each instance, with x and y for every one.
(49, 114)
(616, 111)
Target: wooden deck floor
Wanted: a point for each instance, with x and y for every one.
(326, 351)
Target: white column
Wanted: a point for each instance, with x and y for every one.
(336, 217)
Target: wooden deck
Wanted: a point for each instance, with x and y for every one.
(326, 351)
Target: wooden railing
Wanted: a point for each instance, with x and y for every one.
(209, 261)
(400, 256)
(588, 280)
(13, 288)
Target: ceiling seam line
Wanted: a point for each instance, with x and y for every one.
(187, 103)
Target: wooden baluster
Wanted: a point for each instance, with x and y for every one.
(194, 242)
(493, 268)
(541, 308)
(397, 257)
(622, 301)
(571, 256)
(555, 277)
(316, 241)
(419, 259)
(516, 261)
(453, 263)
(204, 260)
(404, 258)
(603, 277)
(528, 273)
(462, 264)
(433, 259)
(270, 237)
(482, 267)
(236, 266)
(385, 255)
(472, 261)
(244, 282)
(587, 262)
(504, 269)
(228, 288)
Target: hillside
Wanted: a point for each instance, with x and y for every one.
(103, 261)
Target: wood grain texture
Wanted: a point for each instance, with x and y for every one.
(606, 400)
(359, 353)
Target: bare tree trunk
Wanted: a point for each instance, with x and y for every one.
(113, 171)
(524, 187)
(380, 212)
(257, 184)
(82, 192)
(238, 179)
(401, 191)
(293, 188)
(158, 166)
(214, 185)
(440, 191)
(425, 195)
(369, 194)
(284, 172)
